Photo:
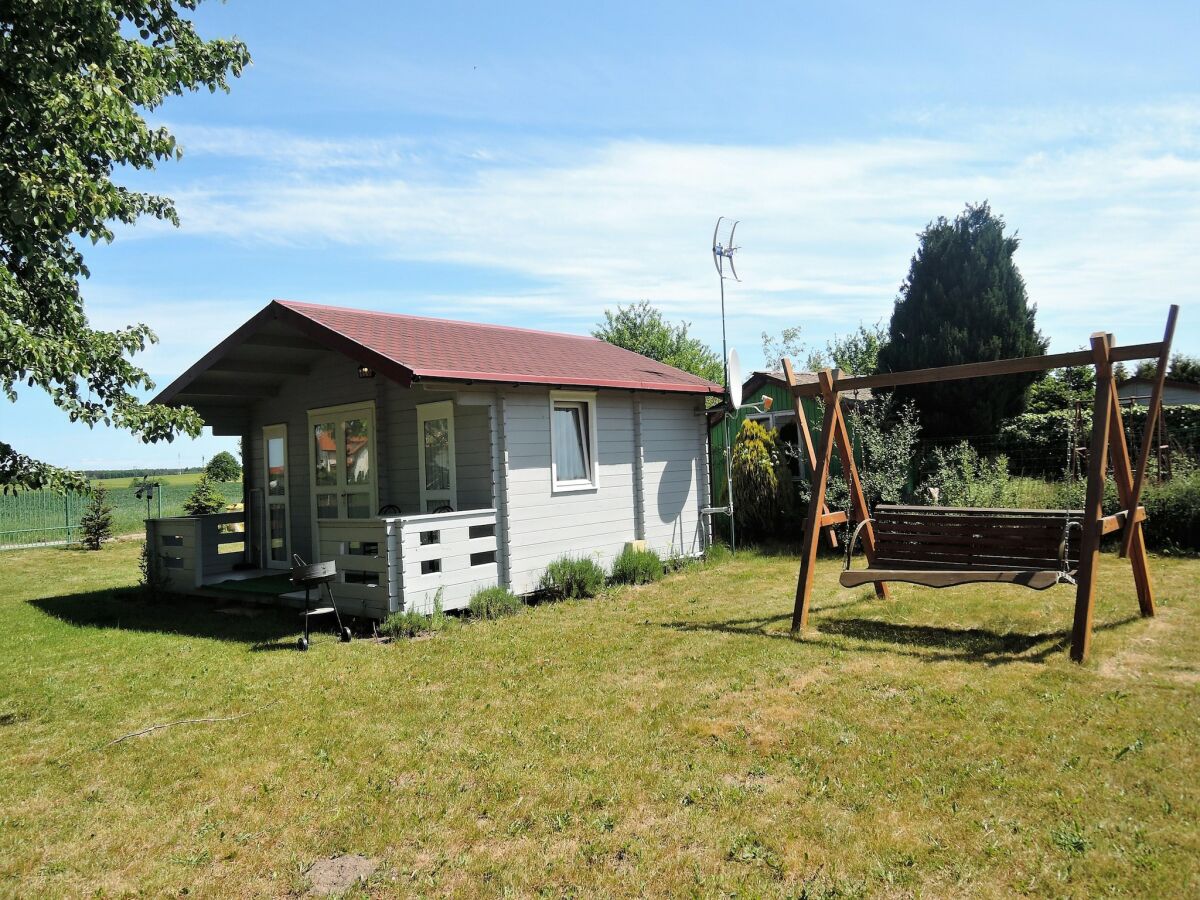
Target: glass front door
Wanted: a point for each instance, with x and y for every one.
(275, 461)
(343, 450)
(435, 453)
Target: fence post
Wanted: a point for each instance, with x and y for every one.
(67, 514)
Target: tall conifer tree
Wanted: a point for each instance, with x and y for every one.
(963, 301)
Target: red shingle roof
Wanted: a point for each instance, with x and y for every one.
(440, 348)
(414, 347)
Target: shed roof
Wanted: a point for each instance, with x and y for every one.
(285, 334)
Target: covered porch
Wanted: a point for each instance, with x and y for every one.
(347, 457)
(385, 563)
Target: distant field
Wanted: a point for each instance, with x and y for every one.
(188, 478)
(34, 517)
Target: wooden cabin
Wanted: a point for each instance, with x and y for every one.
(425, 456)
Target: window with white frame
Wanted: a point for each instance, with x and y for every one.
(573, 440)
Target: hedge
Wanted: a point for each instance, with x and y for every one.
(1036, 443)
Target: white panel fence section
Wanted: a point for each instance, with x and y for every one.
(367, 564)
(190, 551)
(451, 552)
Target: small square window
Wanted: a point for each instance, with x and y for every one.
(431, 566)
(573, 440)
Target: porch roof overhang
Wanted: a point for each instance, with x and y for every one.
(285, 339)
(253, 363)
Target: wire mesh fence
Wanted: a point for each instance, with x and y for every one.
(30, 518)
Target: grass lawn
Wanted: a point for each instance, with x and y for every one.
(663, 740)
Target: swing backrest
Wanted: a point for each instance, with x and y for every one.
(944, 537)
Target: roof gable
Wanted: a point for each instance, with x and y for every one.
(407, 348)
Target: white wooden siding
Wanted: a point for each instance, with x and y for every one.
(334, 381)
(652, 477)
(672, 436)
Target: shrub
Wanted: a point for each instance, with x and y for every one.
(205, 499)
(571, 578)
(762, 485)
(961, 477)
(408, 623)
(717, 553)
(1173, 514)
(1036, 444)
(637, 567)
(97, 521)
(151, 581)
(494, 603)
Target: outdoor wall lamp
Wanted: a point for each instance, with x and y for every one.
(366, 372)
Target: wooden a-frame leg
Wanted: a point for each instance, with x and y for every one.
(1153, 412)
(805, 436)
(861, 511)
(1127, 492)
(812, 518)
(1093, 507)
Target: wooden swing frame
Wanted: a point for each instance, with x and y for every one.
(1108, 439)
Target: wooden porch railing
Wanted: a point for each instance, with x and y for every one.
(188, 551)
(367, 557)
(452, 552)
(384, 564)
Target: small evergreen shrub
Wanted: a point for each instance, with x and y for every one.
(205, 499)
(571, 578)
(637, 567)
(151, 582)
(494, 603)
(97, 521)
(762, 485)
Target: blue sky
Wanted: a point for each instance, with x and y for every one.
(534, 164)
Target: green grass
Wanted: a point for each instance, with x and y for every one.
(665, 740)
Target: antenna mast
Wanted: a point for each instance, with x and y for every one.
(723, 249)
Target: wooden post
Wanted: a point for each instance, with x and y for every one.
(816, 504)
(862, 511)
(1155, 409)
(810, 454)
(1123, 476)
(1093, 507)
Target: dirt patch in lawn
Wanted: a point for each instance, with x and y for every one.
(336, 875)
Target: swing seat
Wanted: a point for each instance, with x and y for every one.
(944, 546)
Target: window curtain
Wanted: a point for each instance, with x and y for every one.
(570, 458)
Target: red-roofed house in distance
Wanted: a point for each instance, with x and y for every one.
(425, 455)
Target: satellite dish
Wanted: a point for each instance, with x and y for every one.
(735, 380)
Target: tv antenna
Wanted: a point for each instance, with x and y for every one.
(723, 249)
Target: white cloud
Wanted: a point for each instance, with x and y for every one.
(1108, 209)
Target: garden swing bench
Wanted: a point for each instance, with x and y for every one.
(938, 546)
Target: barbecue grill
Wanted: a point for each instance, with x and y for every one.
(319, 576)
